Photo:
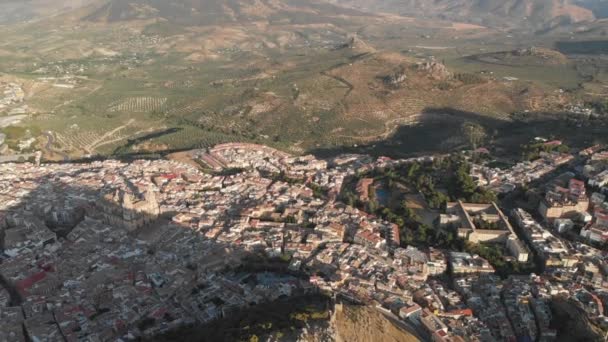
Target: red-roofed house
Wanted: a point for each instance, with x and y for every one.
(553, 143)
(24, 284)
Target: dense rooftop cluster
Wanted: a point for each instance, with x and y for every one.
(506, 180)
(110, 250)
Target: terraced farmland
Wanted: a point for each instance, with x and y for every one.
(188, 108)
(91, 141)
(139, 105)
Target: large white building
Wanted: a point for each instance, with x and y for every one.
(599, 180)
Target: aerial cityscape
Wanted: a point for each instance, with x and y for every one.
(304, 170)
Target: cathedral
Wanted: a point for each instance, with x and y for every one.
(124, 209)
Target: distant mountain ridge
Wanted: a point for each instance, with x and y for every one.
(14, 11)
(599, 7)
(209, 12)
(535, 14)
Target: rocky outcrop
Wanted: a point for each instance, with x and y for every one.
(355, 43)
(434, 69)
(396, 78)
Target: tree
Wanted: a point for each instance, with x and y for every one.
(406, 237)
(409, 213)
(391, 174)
(462, 185)
(424, 181)
(474, 132)
(437, 199)
(372, 206)
(422, 233)
(484, 196)
(350, 198)
(413, 170)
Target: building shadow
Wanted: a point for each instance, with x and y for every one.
(103, 258)
(438, 130)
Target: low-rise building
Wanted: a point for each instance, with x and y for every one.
(565, 202)
(477, 222)
(599, 180)
(432, 324)
(547, 246)
(597, 230)
(464, 263)
(563, 225)
(363, 187)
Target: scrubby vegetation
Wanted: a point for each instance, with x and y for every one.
(470, 78)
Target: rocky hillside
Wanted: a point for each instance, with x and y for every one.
(353, 323)
(364, 324)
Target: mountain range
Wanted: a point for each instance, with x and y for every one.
(536, 15)
(14, 11)
(599, 7)
(211, 12)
